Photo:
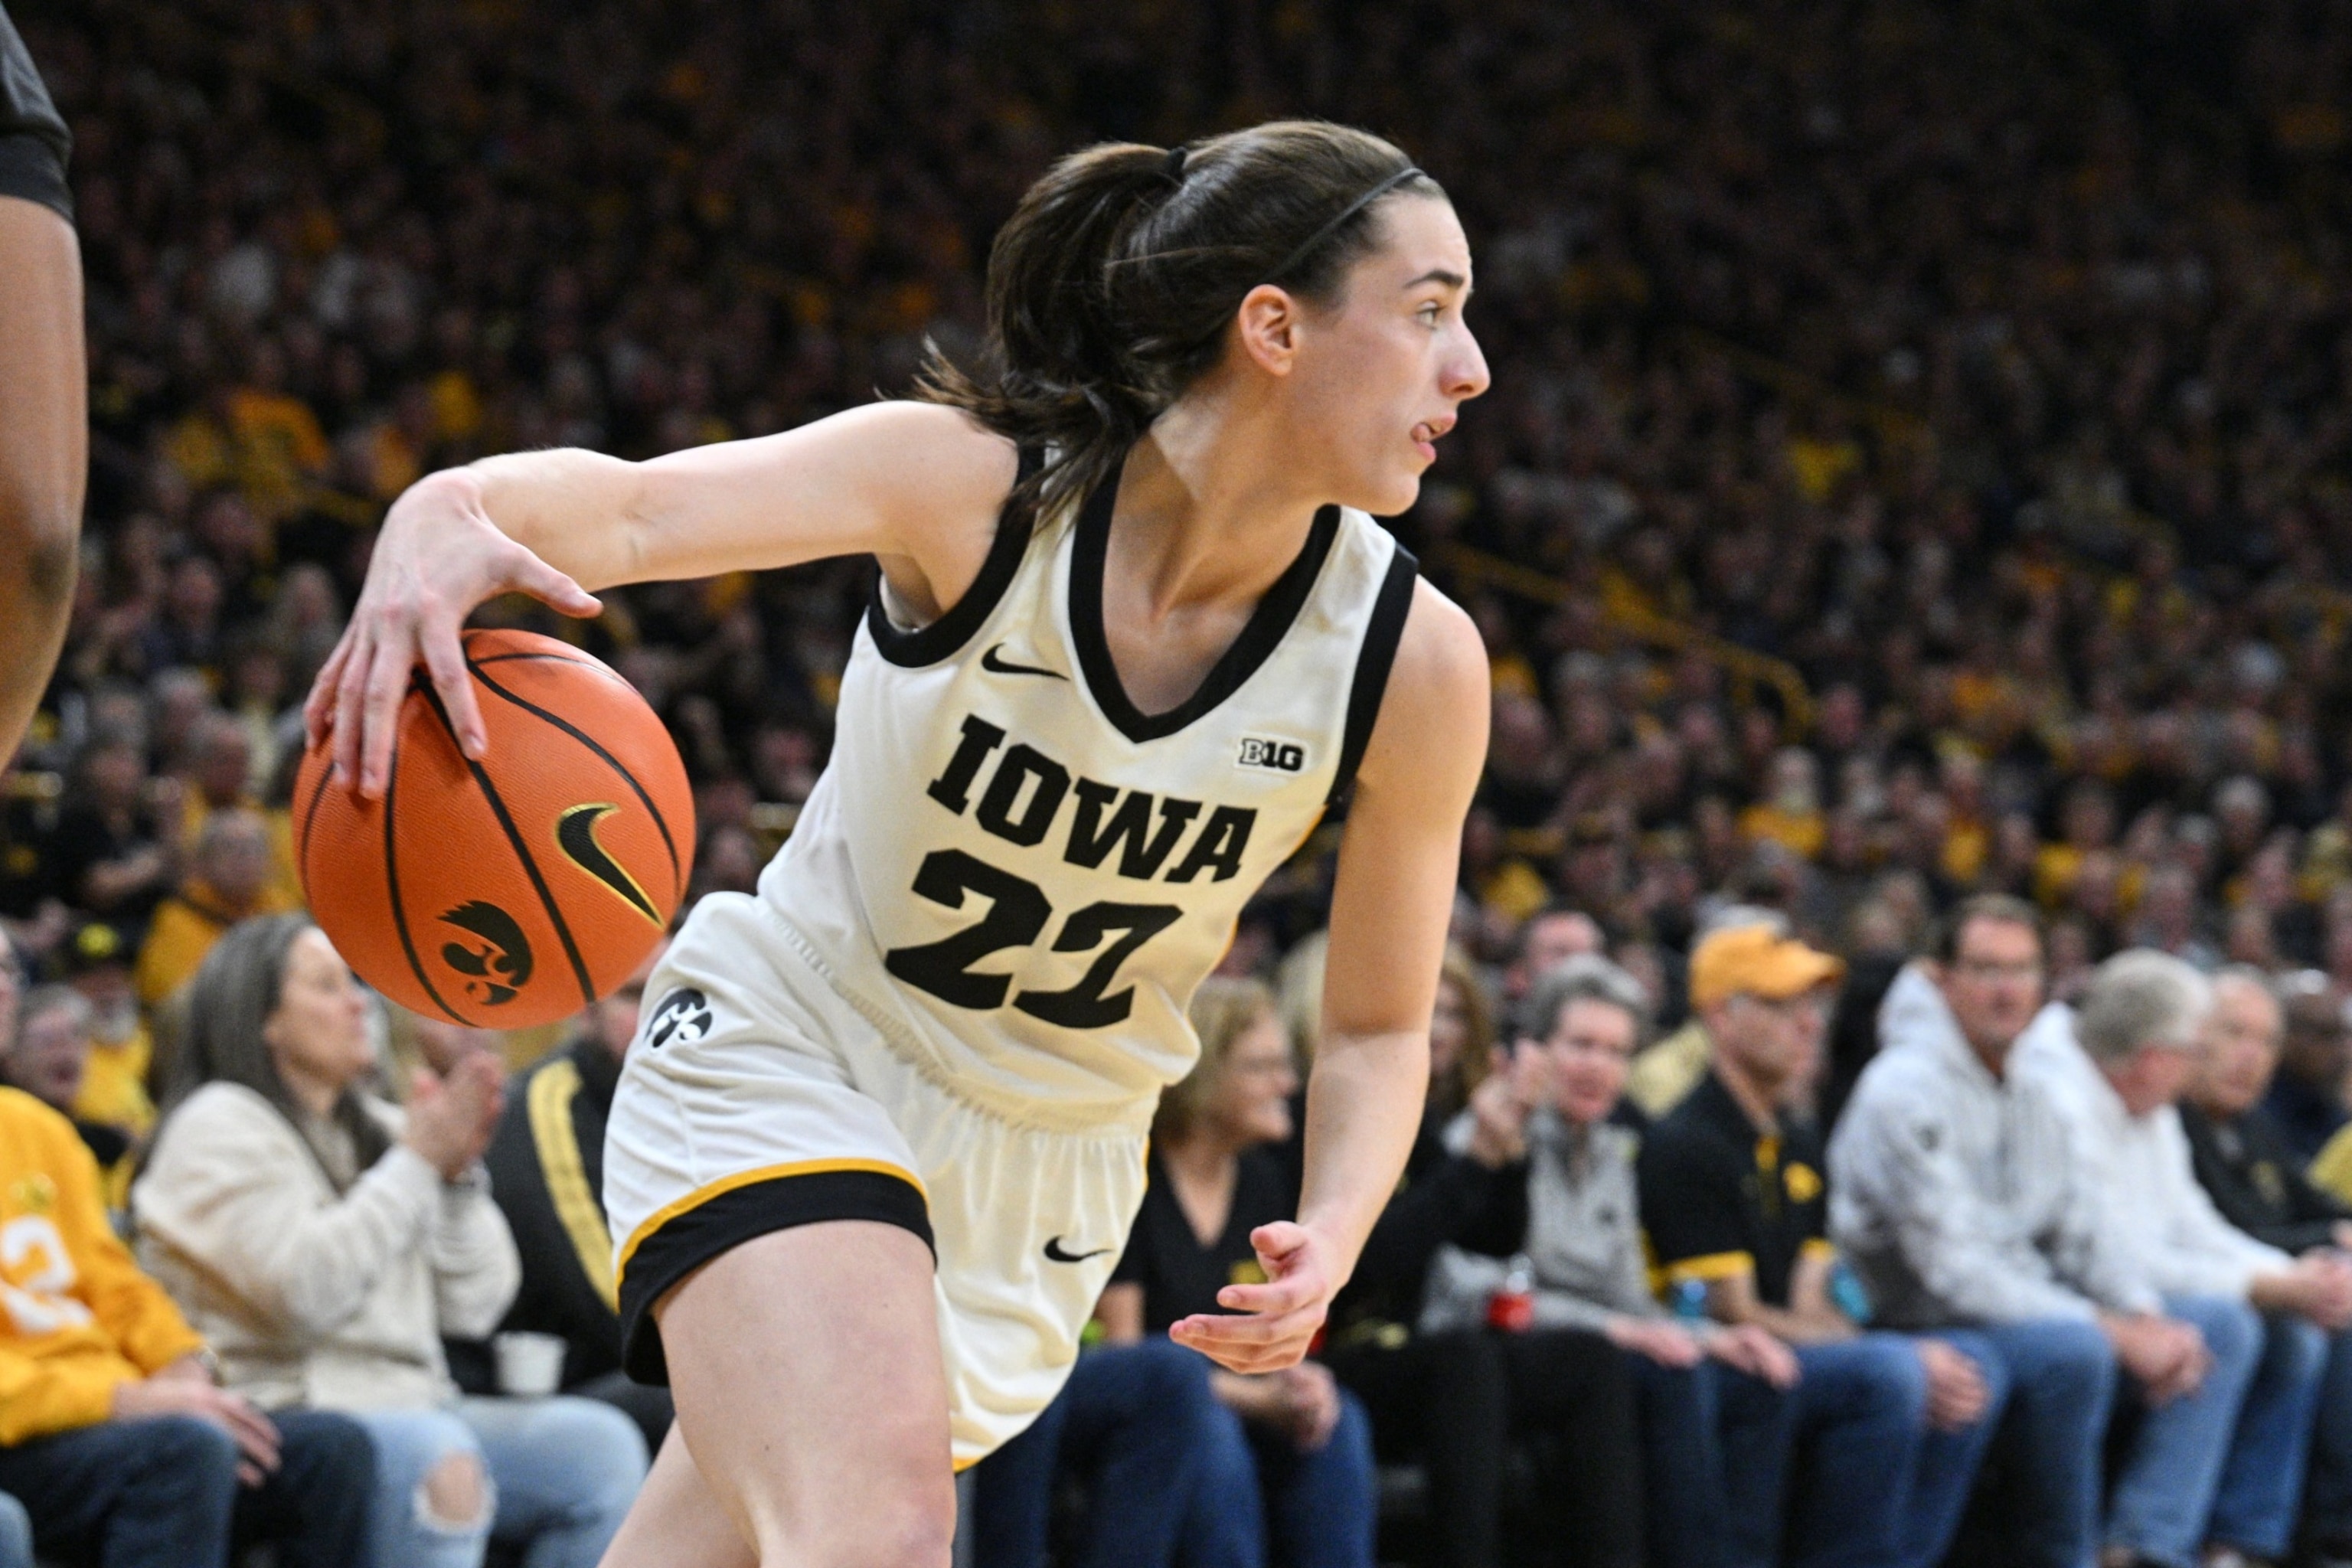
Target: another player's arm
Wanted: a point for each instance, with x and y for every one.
(915, 484)
(44, 451)
(1391, 907)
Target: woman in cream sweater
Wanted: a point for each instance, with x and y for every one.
(324, 1242)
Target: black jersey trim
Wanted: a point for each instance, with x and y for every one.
(688, 1240)
(31, 170)
(1264, 632)
(944, 637)
(1374, 658)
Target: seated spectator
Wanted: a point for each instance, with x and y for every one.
(45, 1051)
(1666, 1071)
(546, 1164)
(114, 846)
(1139, 1428)
(1950, 1195)
(326, 1242)
(115, 1445)
(1215, 1181)
(114, 1087)
(2306, 1094)
(228, 880)
(1890, 1427)
(1705, 1395)
(2223, 1465)
(2245, 1167)
(1455, 1399)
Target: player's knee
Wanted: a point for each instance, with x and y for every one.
(455, 1494)
(916, 1530)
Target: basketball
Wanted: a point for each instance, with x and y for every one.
(515, 890)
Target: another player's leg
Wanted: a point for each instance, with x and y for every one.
(812, 1400)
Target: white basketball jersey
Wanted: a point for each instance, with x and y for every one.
(1021, 878)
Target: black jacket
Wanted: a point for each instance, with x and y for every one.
(1444, 1197)
(551, 1189)
(2250, 1173)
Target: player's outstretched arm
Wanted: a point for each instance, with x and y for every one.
(1390, 910)
(917, 484)
(44, 451)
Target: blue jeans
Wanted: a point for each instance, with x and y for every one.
(15, 1534)
(163, 1492)
(2172, 1470)
(1319, 1508)
(561, 1472)
(1857, 1417)
(1138, 1421)
(2053, 1380)
(1711, 1441)
(2261, 1484)
(1944, 1471)
(2327, 1491)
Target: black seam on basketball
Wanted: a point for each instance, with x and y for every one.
(676, 872)
(310, 817)
(522, 852)
(590, 665)
(392, 886)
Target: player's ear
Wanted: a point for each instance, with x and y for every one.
(1267, 329)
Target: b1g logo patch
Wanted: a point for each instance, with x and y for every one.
(1271, 756)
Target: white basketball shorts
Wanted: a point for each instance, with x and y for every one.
(755, 1098)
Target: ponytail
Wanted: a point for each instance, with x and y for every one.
(1112, 287)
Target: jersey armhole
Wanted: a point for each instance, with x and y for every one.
(941, 638)
(1374, 658)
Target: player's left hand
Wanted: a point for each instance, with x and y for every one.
(1274, 1322)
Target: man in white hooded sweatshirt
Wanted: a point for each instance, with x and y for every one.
(2220, 1470)
(1954, 1196)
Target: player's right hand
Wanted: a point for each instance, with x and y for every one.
(437, 557)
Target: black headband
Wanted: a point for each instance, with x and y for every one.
(1315, 240)
(1172, 171)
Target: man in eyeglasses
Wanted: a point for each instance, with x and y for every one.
(2306, 1101)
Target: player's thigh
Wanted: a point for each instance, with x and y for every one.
(677, 1521)
(806, 1367)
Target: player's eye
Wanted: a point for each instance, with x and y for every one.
(1429, 313)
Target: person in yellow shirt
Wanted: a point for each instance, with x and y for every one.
(1791, 812)
(113, 1434)
(46, 1059)
(229, 880)
(114, 1082)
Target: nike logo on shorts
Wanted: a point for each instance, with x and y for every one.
(996, 666)
(1054, 1251)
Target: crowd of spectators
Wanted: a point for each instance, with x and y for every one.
(1915, 470)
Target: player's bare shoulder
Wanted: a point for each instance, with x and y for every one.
(1433, 719)
(937, 481)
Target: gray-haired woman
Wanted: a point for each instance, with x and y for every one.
(324, 1242)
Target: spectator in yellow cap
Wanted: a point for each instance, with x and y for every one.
(1749, 951)
(114, 1082)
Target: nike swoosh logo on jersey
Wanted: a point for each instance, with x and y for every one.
(990, 662)
(1054, 1250)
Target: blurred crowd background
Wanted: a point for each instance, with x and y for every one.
(1919, 462)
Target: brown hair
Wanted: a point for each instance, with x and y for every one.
(1223, 1010)
(2002, 909)
(1112, 285)
(1450, 1091)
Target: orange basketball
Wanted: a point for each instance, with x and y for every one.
(514, 890)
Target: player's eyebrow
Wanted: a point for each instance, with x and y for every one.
(1440, 275)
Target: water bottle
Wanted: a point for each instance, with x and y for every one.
(1690, 1302)
(1512, 1307)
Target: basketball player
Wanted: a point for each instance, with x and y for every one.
(44, 421)
(881, 1134)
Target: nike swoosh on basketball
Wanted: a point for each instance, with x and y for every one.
(1054, 1250)
(991, 662)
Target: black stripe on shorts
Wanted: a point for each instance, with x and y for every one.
(687, 1241)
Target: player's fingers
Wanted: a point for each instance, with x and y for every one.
(445, 660)
(387, 685)
(319, 708)
(541, 581)
(1210, 1328)
(1283, 1295)
(1278, 1242)
(350, 699)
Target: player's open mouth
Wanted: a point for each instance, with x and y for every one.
(1425, 437)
